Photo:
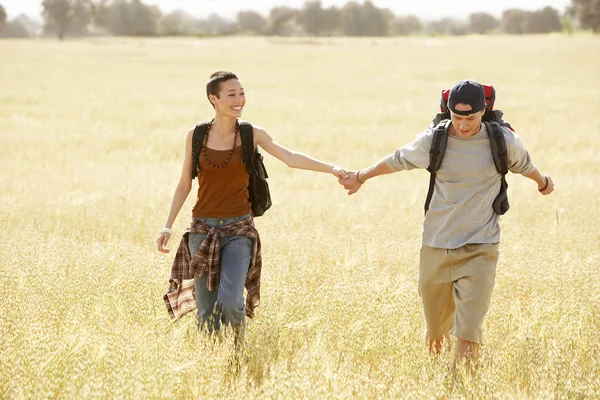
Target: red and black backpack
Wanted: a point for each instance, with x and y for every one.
(494, 123)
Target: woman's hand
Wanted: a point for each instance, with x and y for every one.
(339, 173)
(162, 240)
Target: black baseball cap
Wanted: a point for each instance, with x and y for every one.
(467, 92)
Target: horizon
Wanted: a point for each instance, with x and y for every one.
(425, 10)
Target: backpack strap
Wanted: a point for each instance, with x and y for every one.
(436, 155)
(498, 144)
(247, 135)
(500, 155)
(440, 117)
(496, 116)
(197, 140)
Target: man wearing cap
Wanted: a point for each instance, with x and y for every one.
(461, 233)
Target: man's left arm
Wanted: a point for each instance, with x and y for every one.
(520, 162)
(544, 182)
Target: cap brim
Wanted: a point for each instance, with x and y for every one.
(469, 112)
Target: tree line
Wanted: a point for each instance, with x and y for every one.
(134, 18)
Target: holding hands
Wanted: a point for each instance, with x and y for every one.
(339, 173)
(352, 182)
(348, 179)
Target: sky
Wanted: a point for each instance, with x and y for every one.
(424, 9)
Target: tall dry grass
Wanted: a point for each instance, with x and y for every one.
(91, 148)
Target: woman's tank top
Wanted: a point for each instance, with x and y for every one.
(222, 192)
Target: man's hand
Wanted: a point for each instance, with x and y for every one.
(351, 183)
(548, 186)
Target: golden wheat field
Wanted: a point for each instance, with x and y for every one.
(92, 135)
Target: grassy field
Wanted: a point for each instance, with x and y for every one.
(91, 149)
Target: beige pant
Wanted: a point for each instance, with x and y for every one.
(456, 288)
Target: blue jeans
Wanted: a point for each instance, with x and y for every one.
(226, 304)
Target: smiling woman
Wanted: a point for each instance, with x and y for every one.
(220, 251)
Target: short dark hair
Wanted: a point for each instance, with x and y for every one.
(213, 86)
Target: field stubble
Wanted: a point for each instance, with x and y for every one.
(92, 138)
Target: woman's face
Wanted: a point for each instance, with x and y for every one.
(231, 99)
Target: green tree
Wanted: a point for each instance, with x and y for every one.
(251, 21)
(375, 20)
(101, 13)
(281, 21)
(406, 25)
(545, 20)
(14, 30)
(352, 19)
(482, 23)
(333, 18)
(448, 26)
(567, 23)
(144, 19)
(313, 18)
(60, 14)
(11, 29)
(216, 25)
(588, 13)
(365, 19)
(177, 23)
(513, 20)
(128, 18)
(2, 17)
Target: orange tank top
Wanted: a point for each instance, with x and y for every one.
(222, 192)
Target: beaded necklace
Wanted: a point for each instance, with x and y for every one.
(237, 130)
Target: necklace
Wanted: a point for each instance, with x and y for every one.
(237, 129)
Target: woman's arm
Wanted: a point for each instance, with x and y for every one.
(181, 193)
(291, 158)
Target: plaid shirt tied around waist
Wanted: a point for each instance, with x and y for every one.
(180, 298)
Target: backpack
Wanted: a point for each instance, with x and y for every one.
(258, 188)
(493, 122)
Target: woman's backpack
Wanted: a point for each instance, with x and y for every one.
(258, 188)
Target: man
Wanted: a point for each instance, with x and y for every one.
(461, 231)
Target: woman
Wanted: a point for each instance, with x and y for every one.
(221, 249)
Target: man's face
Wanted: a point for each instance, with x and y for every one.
(466, 125)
